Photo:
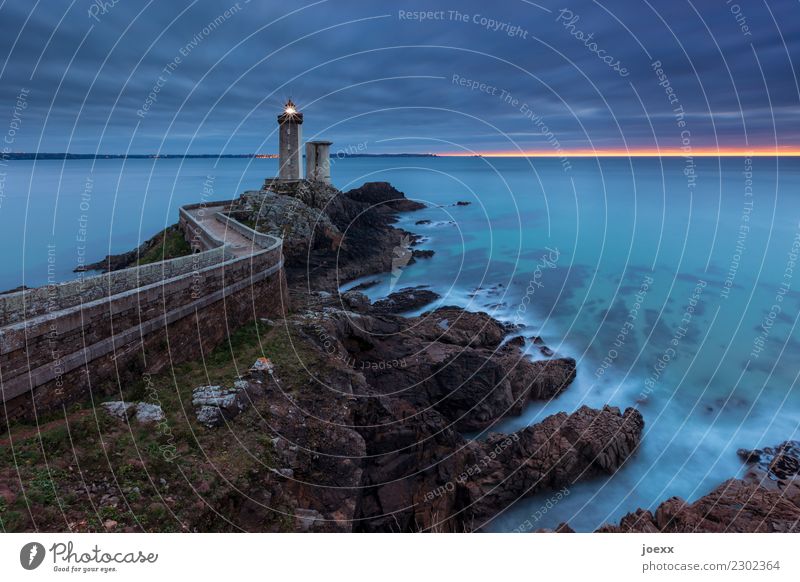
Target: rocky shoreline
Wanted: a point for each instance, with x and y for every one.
(766, 500)
(415, 384)
(352, 417)
(395, 394)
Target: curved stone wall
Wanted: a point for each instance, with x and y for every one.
(53, 350)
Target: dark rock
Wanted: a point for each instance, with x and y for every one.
(551, 455)
(463, 203)
(777, 463)
(766, 500)
(546, 351)
(736, 506)
(422, 253)
(383, 194)
(405, 300)
(356, 301)
(518, 341)
(457, 488)
(455, 362)
(421, 222)
(365, 285)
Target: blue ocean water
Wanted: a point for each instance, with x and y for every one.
(674, 284)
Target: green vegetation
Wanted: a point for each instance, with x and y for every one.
(130, 478)
(168, 244)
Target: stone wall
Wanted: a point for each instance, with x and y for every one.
(55, 357)
(22, 305)
(195, 234)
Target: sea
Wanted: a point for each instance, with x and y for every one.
(674, 282)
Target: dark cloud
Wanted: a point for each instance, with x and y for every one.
(362, 71)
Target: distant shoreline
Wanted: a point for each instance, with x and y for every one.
(68, 156)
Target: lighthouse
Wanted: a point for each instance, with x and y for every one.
(289, 122)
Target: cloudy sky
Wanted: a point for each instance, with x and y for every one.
(471, 76)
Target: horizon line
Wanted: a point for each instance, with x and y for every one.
(792, 151)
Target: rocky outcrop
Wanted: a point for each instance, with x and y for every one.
(419, 382)
(422, 475)
(766, 500)
(779, 464)
(736, 506)
(562, 449)
(330, 237)
(453, 362)
(383, 194)
(299, 219)
(407, 299)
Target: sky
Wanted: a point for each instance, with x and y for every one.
(465, 76)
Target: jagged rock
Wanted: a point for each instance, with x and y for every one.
(553, 454)
(777, 463)
(422, 253)
(464, 483)
(302, 226)
(356, 301)
(766, 500)
(454, 362)
(736, 506)
(383, 194)
(463, 203)
(329, 237)
(422, 222)
(406, 299)
(518, 341)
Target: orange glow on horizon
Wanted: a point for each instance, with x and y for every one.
(636, 153)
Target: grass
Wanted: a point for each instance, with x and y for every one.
(168, 244)
(113, 454)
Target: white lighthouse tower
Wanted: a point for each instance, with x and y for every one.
(290, 122)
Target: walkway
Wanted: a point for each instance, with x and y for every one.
(240, 245)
